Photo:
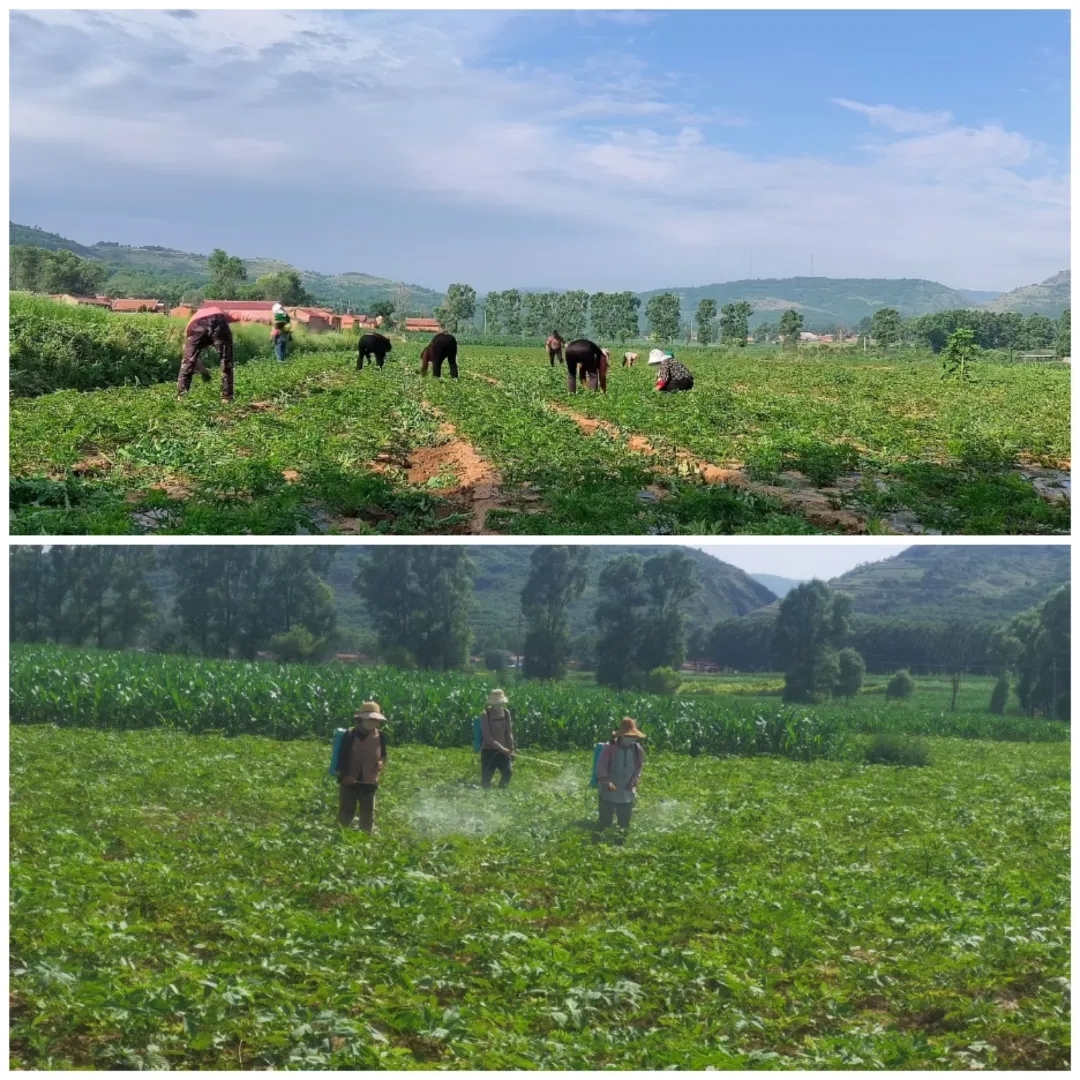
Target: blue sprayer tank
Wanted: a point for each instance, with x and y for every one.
(335, 753)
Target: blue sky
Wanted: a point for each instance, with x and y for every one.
(599, 150)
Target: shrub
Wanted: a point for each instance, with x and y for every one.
(397, 656)
(661, 680)
(901, 686)
(1000, 696)
(495, 660)
(897, 750)
(295, 646)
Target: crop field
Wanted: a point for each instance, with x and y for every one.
(131, 690)
(187, 901)
(763, 444)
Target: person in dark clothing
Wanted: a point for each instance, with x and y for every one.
(208, 328)
(441, 347)
(377, 345)
(587, 359)
(672, 375)
(497, 745)
(361, 762)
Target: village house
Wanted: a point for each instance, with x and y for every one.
(422, 326)
(154, 306)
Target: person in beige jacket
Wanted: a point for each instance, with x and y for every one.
(497, 740)
(361, 762)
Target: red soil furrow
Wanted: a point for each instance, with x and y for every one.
(817, 506)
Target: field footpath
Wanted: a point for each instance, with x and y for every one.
(816, 505)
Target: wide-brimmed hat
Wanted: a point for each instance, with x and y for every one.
(370, 711)
(497, 697)
(628, 729)
(276, 308)
(658, 356)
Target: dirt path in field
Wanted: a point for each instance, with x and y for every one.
(817, 505)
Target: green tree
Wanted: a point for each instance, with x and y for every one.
(27, 268)
(852, 668)
(419, 599)
(621, 598)
(457, 309)
(665, 316)
(959, 356)
(285, 287)
(557, 577)
(512, 314)
(295, 646)
(999, 698)
(1043, 663)
(670, 580)
(735, 323)
(1063, 337)
(572, 313)
(227, 275)
(604, 316)
(811, 624)
(706, 320)
(886, 326)
(28, 568)
(492, 313)
(626, 316)
(132, 603)
(539, 316)
(901, 686)
(791, 322)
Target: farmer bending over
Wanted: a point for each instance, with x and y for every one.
(618, 772)
(361, 762)
(497, 745)
(207, 328)
(672, 375)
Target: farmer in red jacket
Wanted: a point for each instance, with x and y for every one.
(208, 328)
(617, 773)
(360, 763)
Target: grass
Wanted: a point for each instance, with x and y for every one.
(187, 902)
(897, 438)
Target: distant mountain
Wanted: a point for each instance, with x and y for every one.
(979, 582)
(156, 264)
(823, 300)
(501, 572)
(780, 586)
(1050, 297)
(976, 296)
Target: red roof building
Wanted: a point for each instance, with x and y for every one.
(155, 306)
(422, 326)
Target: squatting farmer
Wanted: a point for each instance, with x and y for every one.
(208, 328)
(618, 771)
(497, 740)
(362, 760)
(672, 375)
(281, 331)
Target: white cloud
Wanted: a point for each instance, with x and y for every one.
(350, 105)
(902, 121)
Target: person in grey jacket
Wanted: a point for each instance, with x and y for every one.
(618, 772)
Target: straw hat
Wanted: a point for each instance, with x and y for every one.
(497, 697)
(628, 729)
(370, 711)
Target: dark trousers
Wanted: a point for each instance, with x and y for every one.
(594, 379)
(555, 354)
(354, 796)
(678, 384)
(490, 760)
(437, 367)
(379, 359)
(212, 332)
(609, 811)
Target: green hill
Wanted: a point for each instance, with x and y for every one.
(501, 572)
(1050, 297)
(159, 266)
(823, 300)
(981, 582)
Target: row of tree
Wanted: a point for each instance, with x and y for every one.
(230, 601)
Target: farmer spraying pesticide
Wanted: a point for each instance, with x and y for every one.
(361, 758)
(618, 770)
(496, 740)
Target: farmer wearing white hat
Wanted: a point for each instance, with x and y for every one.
(497, 740)
(672, 375)
(362, 759)
(281, 331)
(618, 771)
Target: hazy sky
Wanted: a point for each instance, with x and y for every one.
(599, 150)
(804, 560)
